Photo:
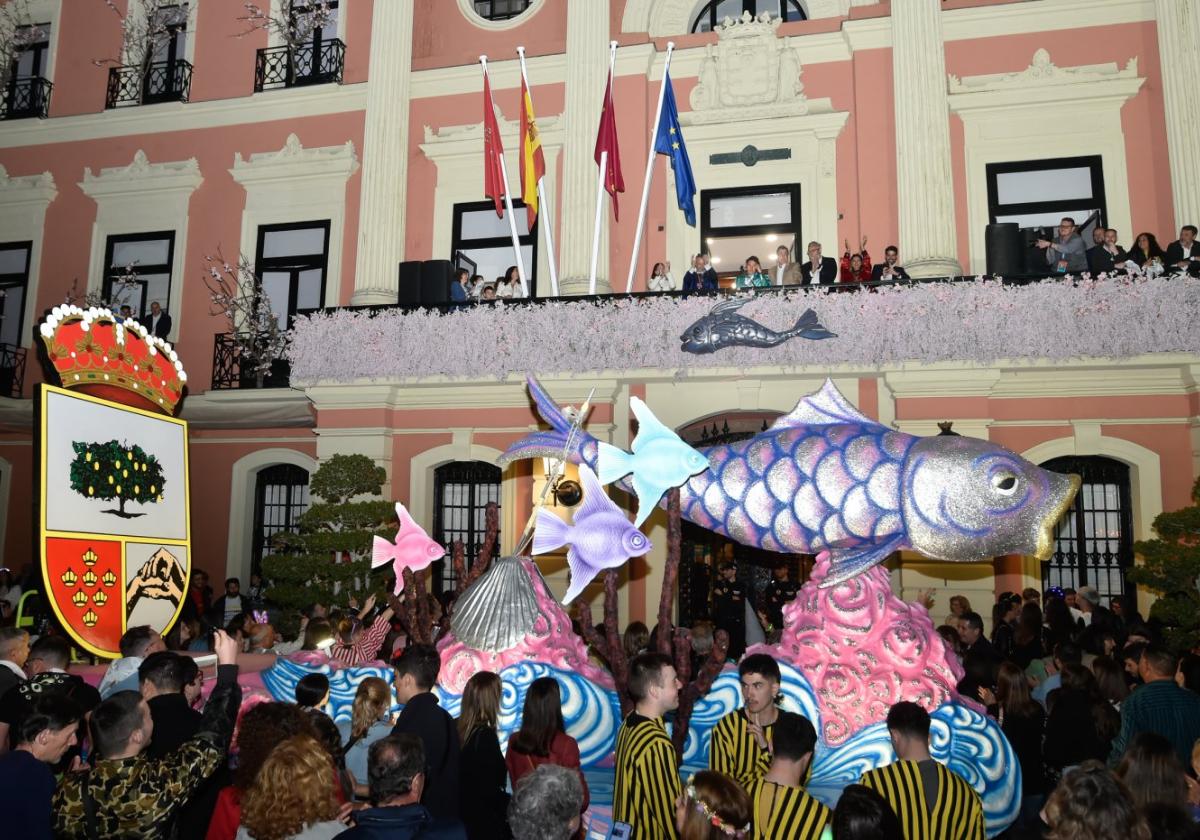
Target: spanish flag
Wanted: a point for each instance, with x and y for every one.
(533, 162)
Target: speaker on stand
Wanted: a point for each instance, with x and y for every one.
(436, 276)
(409, 289)
(1003, 246)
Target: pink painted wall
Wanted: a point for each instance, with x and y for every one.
(444, 37)
(19, 527)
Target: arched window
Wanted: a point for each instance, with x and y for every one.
(714, 12)
(500, 9)
(1093, 542)
(461, 492)
(280, 496)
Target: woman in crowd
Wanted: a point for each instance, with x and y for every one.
(484, 778)
(862, 814)
(1080, 725)
(636, 639)
(357, 643)
(661, 279)
(856, 268)
(1023, 722)
(958, 606)
(1027, 639)
(712, 807)
(330, 738)
(1092, 804)
(542, 738)
(953, 641)
(752, 275)
(369, 721)
(1152, 772)
(509, 286)
(1110, 681)
(1059, 626)
(312, 692)
(1146, 249)
(318, 634)
(291, 798)
(1004, 621)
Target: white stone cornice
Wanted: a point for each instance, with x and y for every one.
(27, 189)
(453, 140)
(1042, 72)
(142, 176)
(293, 161)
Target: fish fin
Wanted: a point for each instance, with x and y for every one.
(595, 499)
(649, 426)
(405, 519)
(827, 407)
(547, 444)
(382, 552)
(845, 565)
(808, 319)
(581, 575)
(816, 333)
(550, 532)
(612, 463)
(648, 496)
(729, 305)
(808, 326)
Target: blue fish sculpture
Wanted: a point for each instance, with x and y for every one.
(826, 478)
(724, 327)
(600, 538)
(660, 461)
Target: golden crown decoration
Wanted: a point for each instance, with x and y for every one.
(93, 349)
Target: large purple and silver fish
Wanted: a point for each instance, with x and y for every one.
(827, 478)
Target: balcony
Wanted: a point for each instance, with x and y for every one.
(24, 98)
(161, 81)
(228, 373)
(12, 371)
(315, 63)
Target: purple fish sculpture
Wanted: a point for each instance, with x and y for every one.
(601, 538)
(825, 477)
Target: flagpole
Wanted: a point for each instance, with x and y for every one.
(637, 239)
(543, 202)
(612, 60)
(512, 224)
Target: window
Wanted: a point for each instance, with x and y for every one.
(743, 222)
(461, 490)
(139, 271)
(482, 238)
(1038, 193)
(14, 285)
(716, 11)
(280, 496)
(28, 90)
(1093, 543)
(311, 61)
(500, 9)
(292, 263)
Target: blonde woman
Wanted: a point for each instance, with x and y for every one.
(292, 797)
(369, 721)
(484, 779)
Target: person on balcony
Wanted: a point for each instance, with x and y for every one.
(509, 286)
(752, 276)
(889, 270)
(157, 322)
(787, 273)
(660, 278)
(1066, 252)
(856, 268)
(702, 277)
(818, 270)
(1184, 252)
(458, 287)
(1146, 251)
(1108, 257)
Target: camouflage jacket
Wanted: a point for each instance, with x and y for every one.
(139, 797)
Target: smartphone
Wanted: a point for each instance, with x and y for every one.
(620, 831)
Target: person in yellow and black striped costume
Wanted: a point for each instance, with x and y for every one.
(741, 740)
(783, 810)
(647, 774)
(931, 802)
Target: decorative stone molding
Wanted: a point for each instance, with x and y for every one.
(467, 7)
(23, 203)
(663, 18)
(26, 189)
(141, 176)
(293, 160)
(1042, 71)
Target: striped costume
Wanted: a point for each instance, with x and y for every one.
(647, 778)
(782, 812)
(736, 753)
(956, 814)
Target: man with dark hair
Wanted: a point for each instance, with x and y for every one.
(1065, 653)
(230, 605)
(1106, 257)
(129, 794)
(783, 810)
(396, 772)
(1066, 252)
(780, 591)
(970, 630)
(1184, 252)
(647, 774)
(819, 270)
(162, 677)
(729, 607)
(741, 740)
(889, 268)
(1159, 706)
(136, 644)
(41, 739)
(14, 650)
(416, 674)
(46, 666)
(929, 799)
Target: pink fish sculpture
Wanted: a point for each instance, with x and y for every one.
(413, 548)
(601, 538)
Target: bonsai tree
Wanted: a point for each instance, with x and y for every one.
(116, 470)
(1171, 566)
(329, 559)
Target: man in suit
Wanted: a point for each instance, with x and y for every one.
(818, 269)
(157, 323)
(1108, 256)
(889, 268)
(787, 273)
(1184, 252)
(702, 278)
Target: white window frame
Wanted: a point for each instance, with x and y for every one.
(23, 203)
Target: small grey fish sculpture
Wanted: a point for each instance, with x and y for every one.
(724, 327)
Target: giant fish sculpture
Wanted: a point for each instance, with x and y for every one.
(413, 549)
(724, 326)
(826, 477)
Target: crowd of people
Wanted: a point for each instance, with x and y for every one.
(1067, 253)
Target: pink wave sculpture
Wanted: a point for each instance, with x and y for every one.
(863, 649)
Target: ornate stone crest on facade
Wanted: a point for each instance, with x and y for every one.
(1042, 71)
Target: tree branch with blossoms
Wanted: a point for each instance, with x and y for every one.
(18, 32)
(146, 25)
(293, 26)
(236, 293)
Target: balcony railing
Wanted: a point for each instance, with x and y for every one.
(162, 81)
(23, 98)
(228, 373)
(314, 63)
(12, 370)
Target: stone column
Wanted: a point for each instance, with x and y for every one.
(1179, 48)
(587, 70)
(385, 155)
(928, 244)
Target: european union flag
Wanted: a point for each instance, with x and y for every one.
(670, 142)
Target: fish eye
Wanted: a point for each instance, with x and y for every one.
(698, 331)
(1004, 483)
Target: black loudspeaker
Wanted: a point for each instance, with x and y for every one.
(409, 291)
(1003, 245)
(1035, 257)
(435, 282)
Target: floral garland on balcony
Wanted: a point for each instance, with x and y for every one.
(977, 322)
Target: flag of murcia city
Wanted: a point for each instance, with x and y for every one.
(114, 522)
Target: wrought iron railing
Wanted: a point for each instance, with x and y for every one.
(162, 81)
(316, 63)
(12, 370)
(23, 98)
(227, 368)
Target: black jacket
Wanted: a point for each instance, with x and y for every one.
(1175, 254)
(898, 273)
(174, 722)
(1100, 261)
(423, 717)
(484, 787)
(827, 273)
(164, 325)
(402, 822)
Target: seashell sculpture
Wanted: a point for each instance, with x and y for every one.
(497, 610)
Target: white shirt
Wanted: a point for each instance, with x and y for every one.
(662, 283)
(779, 270)
(508, 290)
